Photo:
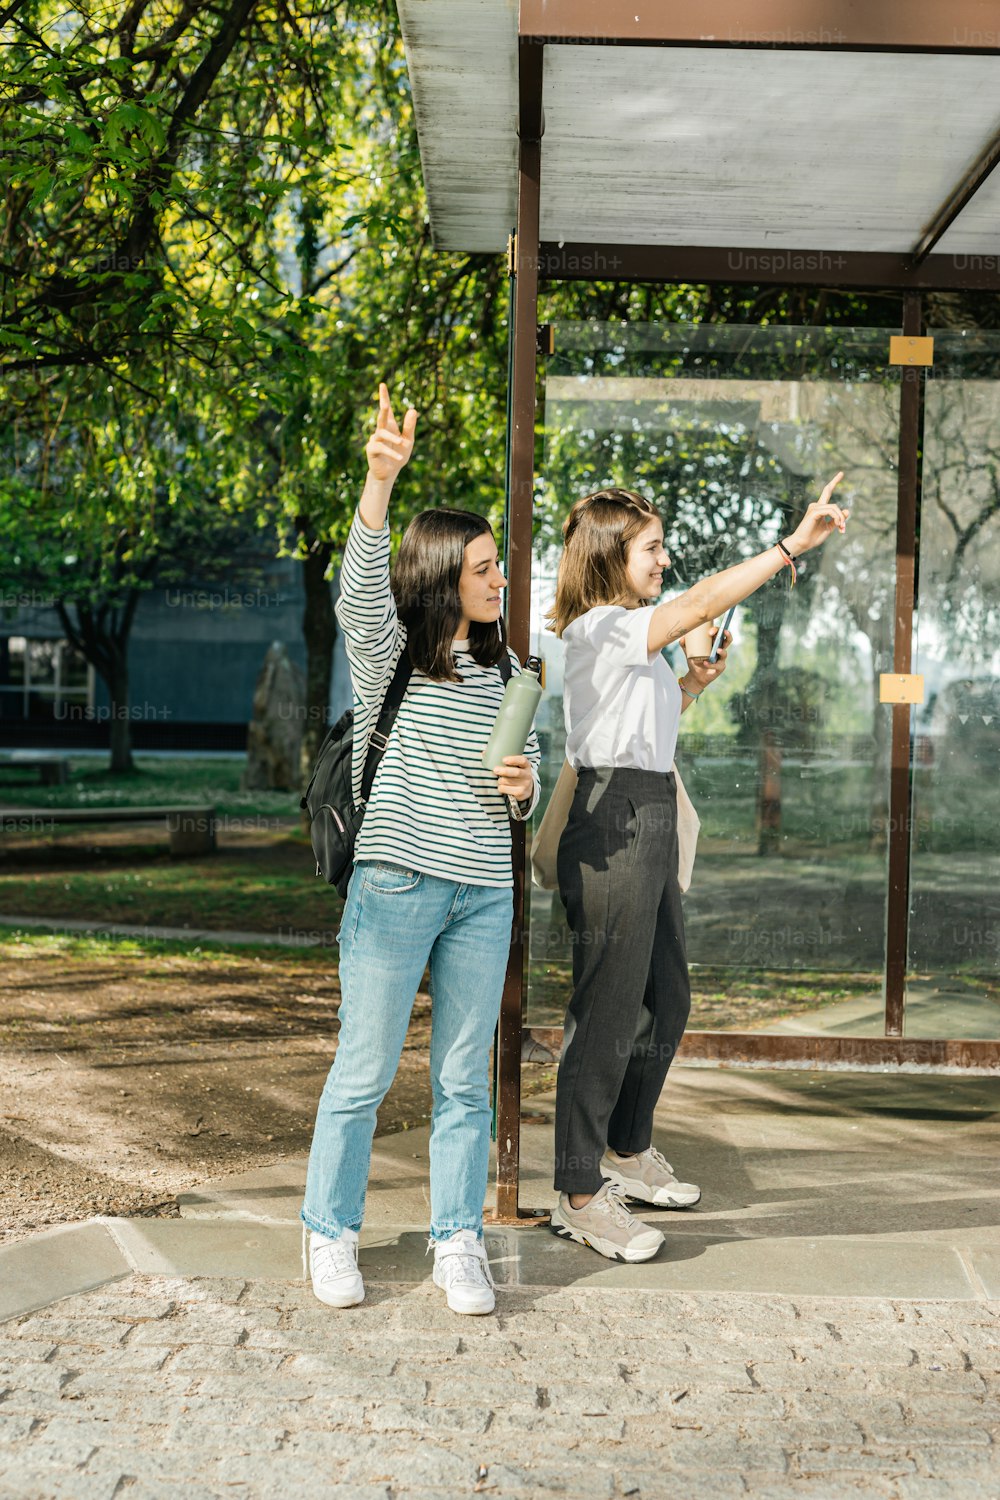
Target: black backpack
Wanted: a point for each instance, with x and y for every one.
(334, 817)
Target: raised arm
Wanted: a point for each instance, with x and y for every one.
(388, 451)
(366, 610)
(720, 591)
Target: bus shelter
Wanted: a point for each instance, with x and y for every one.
(845, 909)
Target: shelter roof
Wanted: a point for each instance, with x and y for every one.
(873, 129)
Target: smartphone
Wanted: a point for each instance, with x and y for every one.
(721, 635)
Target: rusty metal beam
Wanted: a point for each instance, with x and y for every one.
(521, 482)
(958, 200)
(840, 269)
(897, 917)
(769, 1049)
(838, 25)
(530, 70)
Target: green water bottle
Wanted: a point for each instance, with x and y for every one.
(515, 715)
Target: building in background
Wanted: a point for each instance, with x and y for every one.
(195, 653)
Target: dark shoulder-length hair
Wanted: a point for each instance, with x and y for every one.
(425, 587)
(594, 566)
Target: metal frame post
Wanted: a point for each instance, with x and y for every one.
(521, 480)
(901, 776)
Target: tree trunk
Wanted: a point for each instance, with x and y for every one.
(121, 724)
(8, 708)
(769, 795)
(319, 626)
(762, 691)
(878, 814)
(102, 635)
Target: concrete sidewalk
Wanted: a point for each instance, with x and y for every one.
(825, 1323)
(219, 937)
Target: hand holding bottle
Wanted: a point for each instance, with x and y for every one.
(514, 778)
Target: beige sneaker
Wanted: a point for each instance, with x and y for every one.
(647, 1178)
(605, 1225)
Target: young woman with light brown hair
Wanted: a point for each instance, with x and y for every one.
(617, 861)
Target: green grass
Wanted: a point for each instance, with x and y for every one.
(823, 806)
(274, 891)
(723, 997)
(955, 809)
(154, 782)
(20, 942)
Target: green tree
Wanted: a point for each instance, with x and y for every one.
(107, 512)
(215, 214)
(219, 217)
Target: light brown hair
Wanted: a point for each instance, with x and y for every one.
(593, 569)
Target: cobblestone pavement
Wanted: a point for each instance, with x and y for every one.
(158, 1387)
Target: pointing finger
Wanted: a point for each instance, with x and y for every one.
(828, 491)
(385, 419)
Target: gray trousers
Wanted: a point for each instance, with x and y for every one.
(617, 869)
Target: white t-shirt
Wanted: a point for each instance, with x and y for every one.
(622, 704)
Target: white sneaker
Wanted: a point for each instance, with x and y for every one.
(333, 1267)
(648, 1178)
(605, 1225)
(462, 1270)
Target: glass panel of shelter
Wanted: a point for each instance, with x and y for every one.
(954, 929)
(732, 430)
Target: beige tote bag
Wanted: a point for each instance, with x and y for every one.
(545, 838)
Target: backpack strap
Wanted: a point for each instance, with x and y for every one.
(379, 737)
(505, 667)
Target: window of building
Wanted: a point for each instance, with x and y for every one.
(43, 679)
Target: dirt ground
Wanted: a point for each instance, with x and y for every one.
(128, 1078)
(134, 1071)
(131, 1071)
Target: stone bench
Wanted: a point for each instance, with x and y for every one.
(191, 829)
(54, 769)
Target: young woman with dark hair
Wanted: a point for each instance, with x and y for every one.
(617, 860)
(432, 882)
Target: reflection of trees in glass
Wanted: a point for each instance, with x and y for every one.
(789, 702)
(727, 483)
(856, 428)
(955, 805)
(960, 566)
(959, 555)
(717, 487)
(732, 431)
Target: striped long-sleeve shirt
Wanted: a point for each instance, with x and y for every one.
(434, 807)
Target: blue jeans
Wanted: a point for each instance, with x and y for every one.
(396, 921)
